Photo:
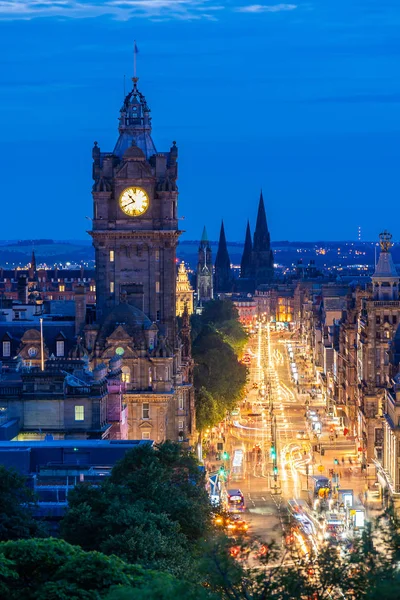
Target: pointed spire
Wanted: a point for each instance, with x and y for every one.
(261, 233)
(204, 237)
(33, 261)
(245, 265)
(222, 264)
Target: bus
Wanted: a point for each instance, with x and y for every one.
(238, 464)
(234, 501)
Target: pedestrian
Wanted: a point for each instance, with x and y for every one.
(343, 461)
(350, 461)
(336, 434)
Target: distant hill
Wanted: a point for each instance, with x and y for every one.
(18, 252)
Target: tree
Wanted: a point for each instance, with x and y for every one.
(217, 369)
(163, 588)
(151, 511)
(208, 411)
(17, 502)
(51, 569)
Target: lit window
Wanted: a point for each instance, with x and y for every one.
(180, 402)
(60, 348)
(111, 255)
(145, 435)
(92, 288)
(157, 255)
(61, 288)
(146, 410)
(157, 287)
(32, 352)
(111, 287)
(180, 425)
(6, 348)
(79, 413)
(126, 374)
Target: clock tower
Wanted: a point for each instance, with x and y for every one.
(135, 226)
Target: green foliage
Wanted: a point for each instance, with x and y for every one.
(163, 588)
(17, 502)
(151, 511)
(218, 371)
(208, 410)
(219, 378)
(52, 569)
(219, 312)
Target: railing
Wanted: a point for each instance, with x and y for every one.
(386, 302)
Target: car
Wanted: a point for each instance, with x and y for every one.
(237, 525)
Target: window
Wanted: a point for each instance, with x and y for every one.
(6, 348)
(157, 287)
(180, 425)
(158, 315)
(61, 288)
(387, 334)
(126, 373)
(180, 405)
(386, 319)
(79, 413)
(111, 255)
(60, 348)
(32, 352)
(92, 288)
(394, 320)
(145, 435)
(157, 255)
(378, 320)
(111, 287)
(146, 410)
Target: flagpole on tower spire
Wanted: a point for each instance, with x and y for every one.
(135, 51)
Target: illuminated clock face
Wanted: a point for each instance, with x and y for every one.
(134, 201)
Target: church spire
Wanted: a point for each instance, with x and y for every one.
(223, 280)
(32, 266)
(204, 237)
(245, 265)
(261, 234)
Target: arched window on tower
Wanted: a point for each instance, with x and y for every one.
(126, 374)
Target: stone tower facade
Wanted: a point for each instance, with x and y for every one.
(135, 234)
(184, 291)
(378, 321)
(223, 274)
(135, 227)
(204, 277)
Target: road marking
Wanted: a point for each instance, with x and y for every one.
(262, 498)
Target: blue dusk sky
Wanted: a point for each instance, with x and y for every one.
(300, 98)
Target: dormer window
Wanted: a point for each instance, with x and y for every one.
(6, 349)
(60, 347)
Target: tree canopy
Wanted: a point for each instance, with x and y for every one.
(151, 511)
(17, 502)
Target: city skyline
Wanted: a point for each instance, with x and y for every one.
(324, 127)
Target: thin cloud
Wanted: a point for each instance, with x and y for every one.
(266, 8)
(117, 9)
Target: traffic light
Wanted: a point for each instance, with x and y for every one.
(225, 455)
(273, 452)
(275, 470)
(221, 471)
(336, 461)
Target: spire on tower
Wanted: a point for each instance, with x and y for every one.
(245, 265)
(223, 279)
(204, 237)
(261, 234)
(135, 121)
